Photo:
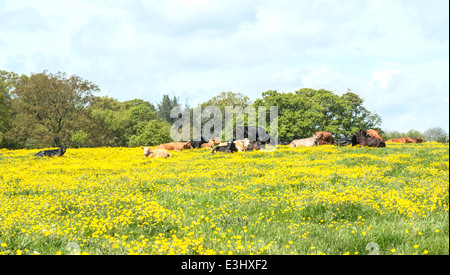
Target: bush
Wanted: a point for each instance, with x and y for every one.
(153, 133)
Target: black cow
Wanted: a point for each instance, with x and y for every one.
(347, 141)
(197, 143)
(253, 133)
(229, 148)
(283, 142)
(371, 142)
(49, 153)
(363, 134)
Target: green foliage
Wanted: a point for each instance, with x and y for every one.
(79, 138)
(122, 119)
(47, 107)
(307, 110)
(154, 132)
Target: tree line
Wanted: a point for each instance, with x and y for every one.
(47, 110)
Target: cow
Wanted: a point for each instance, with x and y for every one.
(374, 134)
(417, 140)
(347, 141)
(254, 146)
(280, 142)
(371, 142)
(156, 153)
(229, 148)
(175, 146)
(242, 145)
(325, 138)
(50, 153)
(400, 140)
(305, 142)
(362, 133)
(209, 145)
(253, 133)
(197, 143)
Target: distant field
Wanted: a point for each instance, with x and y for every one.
(321, 200)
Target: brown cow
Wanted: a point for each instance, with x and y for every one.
(400, 140)
(175, 146)
(209, 145)
(157, 153)
(374, 134)
(325, 138)
(254, 146)
(417, 140)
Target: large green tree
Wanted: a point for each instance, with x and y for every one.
(306, 111)
(46, 107)
(123, 119)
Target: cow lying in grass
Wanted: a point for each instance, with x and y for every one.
(50, 153)
(417, 140)
(401, 140)
(230, 147)
(175, 146)
(242, 145)
(254, 145)
(305, 142)
(371, 142)
(156, 153)
(350, 140)
(325, 138)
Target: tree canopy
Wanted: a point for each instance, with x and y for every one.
(46, 110)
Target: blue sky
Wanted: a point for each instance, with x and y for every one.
(394, 54)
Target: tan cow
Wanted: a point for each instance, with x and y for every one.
(175, 146)
(157, 153)
(305, 142)
(242, 145)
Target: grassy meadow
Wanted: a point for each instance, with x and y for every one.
(321, 200)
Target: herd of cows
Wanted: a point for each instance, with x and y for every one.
(250, 138)
(366, 138)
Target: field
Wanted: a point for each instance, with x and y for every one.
(322, 200)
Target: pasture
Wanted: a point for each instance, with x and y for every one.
(318, 200)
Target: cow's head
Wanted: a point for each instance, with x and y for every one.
(409, 140)
(147, 151)
(187, 145)
(316, 139)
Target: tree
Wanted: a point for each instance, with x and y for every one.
(7, 82)
(436, 134)
(357, 116)
(79, 138)
(153, 133)
(123, 119)
(306, 111)
(226, 99)
(46, 107)
(166, 106)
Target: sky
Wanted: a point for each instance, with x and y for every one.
(393, 53)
